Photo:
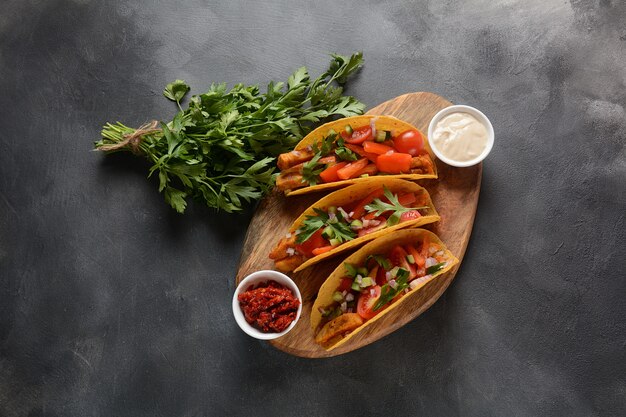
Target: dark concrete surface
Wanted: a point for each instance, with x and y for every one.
(113, 305)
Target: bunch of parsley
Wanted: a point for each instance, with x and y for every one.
(221, 149)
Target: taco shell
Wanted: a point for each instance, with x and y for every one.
(389, 123)
(382, 245)
(357, 192)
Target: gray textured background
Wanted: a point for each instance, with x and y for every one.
(113, 305)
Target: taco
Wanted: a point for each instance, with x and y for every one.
(374, 280)
(348, 150)
(351, 216)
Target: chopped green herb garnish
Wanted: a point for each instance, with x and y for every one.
(387, 293)
(435, 268)
(311, 170)
(380, 260)
(379, 207)
(337, 227)
(344, 153)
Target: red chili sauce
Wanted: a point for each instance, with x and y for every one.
(270, 307)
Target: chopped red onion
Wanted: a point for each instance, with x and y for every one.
(430, 262)
(349, 297)
(388, 276)
(416, 282)
(290, 251)
(373, 126)
(344, 306)
(393, 284)
(288, 235)
(372, 292)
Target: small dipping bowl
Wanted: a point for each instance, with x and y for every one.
(461, 109)
(253, 280)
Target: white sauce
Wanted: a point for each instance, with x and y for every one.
(460, 137)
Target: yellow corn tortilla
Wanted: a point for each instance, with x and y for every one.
(390, 123)
(382, 245)
(358, 192)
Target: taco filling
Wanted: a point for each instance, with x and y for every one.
(367, 289)
(333, 226)
(354, 153)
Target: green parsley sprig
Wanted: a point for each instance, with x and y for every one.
(379, 207)
(220, 150)
(339, 229)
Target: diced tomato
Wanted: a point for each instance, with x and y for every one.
(361, 152)
(330, 173)
(370, 216)
(359, 209)
(420, 260)
(394, 163)
(370, 169)
(381, 277)
(358, 136)
(367, 301)
(407, 199)
(373, 272)
(425, 246)
(345, 285)
(323, 249)
(377, 148)
(411, 142)
(397, 256)
(350, 170)
(410, 215)
(315, 241)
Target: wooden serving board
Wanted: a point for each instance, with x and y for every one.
(454, 193)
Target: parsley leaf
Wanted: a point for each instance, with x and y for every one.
(338, 228)
(341, 230)
(379, 207)
(344, 153)
(312, 224)
(311, 170)
(220, 150)
(176, 91)
(387, 293)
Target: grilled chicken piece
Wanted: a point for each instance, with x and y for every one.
(289, 159)
(334, 330)
(289, 182)
(421, 164)
(280, 251)
(370, 170)
(291, 178)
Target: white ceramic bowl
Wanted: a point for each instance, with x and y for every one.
(461, 109)
(257, 278)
